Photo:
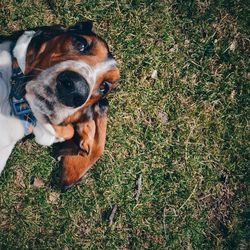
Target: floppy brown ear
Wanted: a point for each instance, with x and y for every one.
(38, 45)
(92, 134)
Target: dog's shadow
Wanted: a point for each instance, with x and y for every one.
(56, 173)
(55, 177)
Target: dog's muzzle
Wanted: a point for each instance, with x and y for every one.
(72, 89)
(57, 92)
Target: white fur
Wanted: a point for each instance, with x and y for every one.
(21, 47)
(104, 66)
(5, 75)
(11, 129)
(45, 134)
(47, 78)
(5, 153)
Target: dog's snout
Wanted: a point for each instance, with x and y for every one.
(72, 89)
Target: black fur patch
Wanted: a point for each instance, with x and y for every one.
(49, 90)
(110, 56)
(103, 105)
(84, 28)
(49, 105)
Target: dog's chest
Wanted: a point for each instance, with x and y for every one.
(5, 76)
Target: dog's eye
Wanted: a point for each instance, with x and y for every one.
(80, 44)
(104, 87)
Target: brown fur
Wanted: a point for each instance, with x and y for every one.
(60, 49)
(66, 132)
(92, 135)
(111, 76)
(76, 159)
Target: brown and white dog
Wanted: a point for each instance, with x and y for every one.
(67, 72)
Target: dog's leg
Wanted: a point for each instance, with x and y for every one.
(12, 131)
(44, 134)
(4, 155)
(5, 75)
(11, 128)
(74, 167)
(64, 132)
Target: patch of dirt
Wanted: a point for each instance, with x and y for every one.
(19, 179)
(38, 183)
(53, 197)
(219, 201)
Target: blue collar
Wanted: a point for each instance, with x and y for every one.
(20, 107)
(21, 110)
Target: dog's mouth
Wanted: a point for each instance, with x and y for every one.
(59, 91)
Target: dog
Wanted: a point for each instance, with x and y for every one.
(62, 74)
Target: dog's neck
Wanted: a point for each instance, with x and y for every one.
(20, 107)
(19, 52)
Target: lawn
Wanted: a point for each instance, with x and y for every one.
(178, 124)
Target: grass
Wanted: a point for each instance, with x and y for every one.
(185, 133)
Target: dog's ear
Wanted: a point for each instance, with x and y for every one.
(85, 28)
(45, 33)
(91, 142)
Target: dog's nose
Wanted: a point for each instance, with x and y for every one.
(72, 89)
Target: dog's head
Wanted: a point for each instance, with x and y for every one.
(71, 68)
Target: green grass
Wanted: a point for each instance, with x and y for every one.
(184, 133)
